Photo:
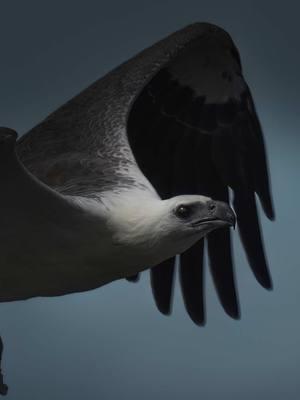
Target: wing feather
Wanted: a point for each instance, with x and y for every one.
(191, 275)
(204, 137)
(182, 111)
(162, 283)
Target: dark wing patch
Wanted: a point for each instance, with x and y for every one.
(194, 130)
(162, 283)
(191, 282)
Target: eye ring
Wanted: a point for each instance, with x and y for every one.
(183, 211)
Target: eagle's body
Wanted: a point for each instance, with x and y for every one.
(121, 177)
(80, 243)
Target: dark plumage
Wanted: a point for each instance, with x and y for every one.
(188, 115)
(194, 130)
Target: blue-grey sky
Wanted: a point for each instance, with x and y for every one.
(112, 343)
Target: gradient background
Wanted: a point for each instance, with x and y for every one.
(111, 343)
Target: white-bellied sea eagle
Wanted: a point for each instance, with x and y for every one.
(135, 170)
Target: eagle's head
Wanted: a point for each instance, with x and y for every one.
(154, 229)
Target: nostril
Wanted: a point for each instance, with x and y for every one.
(232, 218)
(211, 206)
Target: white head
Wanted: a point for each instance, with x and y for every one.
(154, 230)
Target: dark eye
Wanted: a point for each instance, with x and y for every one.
(183, 211)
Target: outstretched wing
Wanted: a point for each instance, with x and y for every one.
(183, 111)
(194, 130)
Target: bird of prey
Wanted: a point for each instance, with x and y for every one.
(136, 169)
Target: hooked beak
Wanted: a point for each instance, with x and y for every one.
(216, 213)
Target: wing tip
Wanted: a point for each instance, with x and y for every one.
(199, 320)
(233, 311)
(200, 324)
(268, 284)
(264, 279)
(163, 294)
(8, 138)
(8, 133)
(269, 209)
(236, 315)
(133, 278)
(165, 309)
(271, 214)
(196, 319)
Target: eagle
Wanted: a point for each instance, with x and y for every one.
(141, 170)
